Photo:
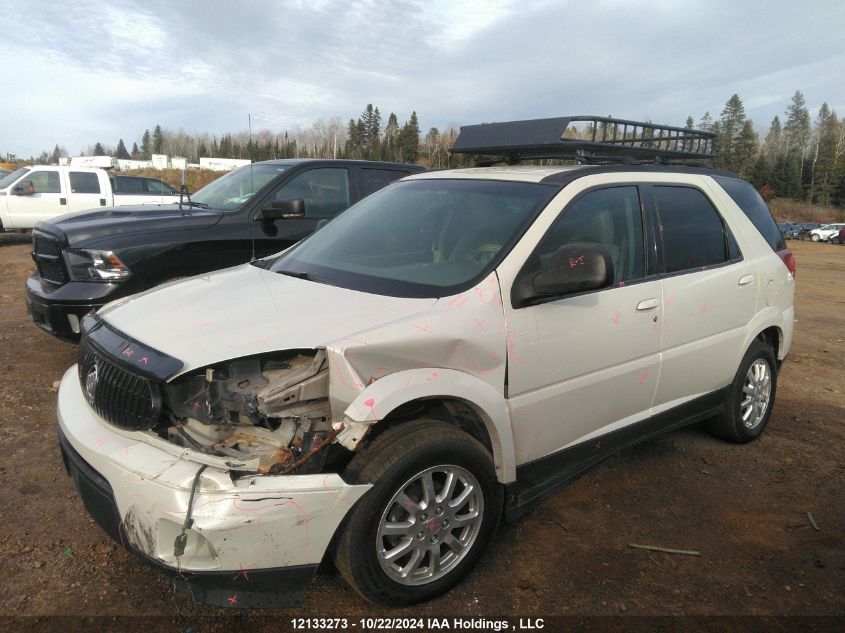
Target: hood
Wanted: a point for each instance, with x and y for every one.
(246, 310)
(85, 229)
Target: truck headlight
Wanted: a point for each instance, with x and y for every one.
(91, 265)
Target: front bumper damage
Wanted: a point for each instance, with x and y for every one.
(251, 541)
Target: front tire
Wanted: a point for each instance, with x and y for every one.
(749, 404)
(814, 237)
(433, 507)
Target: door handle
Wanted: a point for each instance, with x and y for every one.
(648, 304)
(62, 200)
(102, 202)
(747, 279)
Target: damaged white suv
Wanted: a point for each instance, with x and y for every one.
(452, 349)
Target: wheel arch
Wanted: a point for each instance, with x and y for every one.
(469, 403)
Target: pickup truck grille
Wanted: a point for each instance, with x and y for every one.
(47, 254)
(120, 396)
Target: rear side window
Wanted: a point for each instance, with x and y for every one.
(375, 179)
(158, 187)
(747, 199)
(692, 232)
(84, 182)
(128, 184)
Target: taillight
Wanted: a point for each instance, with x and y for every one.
(788, 259)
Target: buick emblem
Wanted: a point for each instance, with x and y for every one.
(91, 383)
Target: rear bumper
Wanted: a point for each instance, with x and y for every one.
(254, 541)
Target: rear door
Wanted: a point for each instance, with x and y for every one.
(709, 294)
(88, 190)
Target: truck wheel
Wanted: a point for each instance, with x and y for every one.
(814, 237)
(433, 507)
(751, 398)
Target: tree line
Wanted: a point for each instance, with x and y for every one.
(798, 158)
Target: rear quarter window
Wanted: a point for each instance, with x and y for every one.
(747, 199)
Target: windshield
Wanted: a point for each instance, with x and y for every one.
(8, 179)
(419, 238)
(232, 190)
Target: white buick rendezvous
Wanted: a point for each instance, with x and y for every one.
(451, 350)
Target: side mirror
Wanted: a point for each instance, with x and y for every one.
(575, 267)
(24, 188)
(282, 210)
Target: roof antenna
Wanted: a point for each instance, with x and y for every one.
(251, 181)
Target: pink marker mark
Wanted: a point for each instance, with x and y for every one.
(233, 600)
(452, 349)
(128, 352)
(143, 360)
(206, 324)
(644, 376)
(576, 261)
(480, 324)
(407, 382)
(262, 341)
(423, 328)
(370, 403)
(597, 444)
(670, 300)
(617, 316)
(101, 442)
(242, 572)
(703, 307)
(125, 450)
(457, 301)
(434, 375)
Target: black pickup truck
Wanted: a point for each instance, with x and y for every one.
(85, 260)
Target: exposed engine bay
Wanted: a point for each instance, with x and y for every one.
(273, 409)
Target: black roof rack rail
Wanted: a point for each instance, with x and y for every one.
(585, 139)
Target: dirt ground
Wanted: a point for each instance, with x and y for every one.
(743, 507)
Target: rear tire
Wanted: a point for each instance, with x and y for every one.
(433, 507)
(749, 404)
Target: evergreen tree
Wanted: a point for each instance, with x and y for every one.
(774, 141)
(136, 153)
(690, 123)
(796, 131)
(761, 172)
(744, 150)
(706, 122)
(409, 139)
(158, 140)
(56, 155)
(98, 150)
(146, 145)
(121, 152)
(731, 124)
(353, 140)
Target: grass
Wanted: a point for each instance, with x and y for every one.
(788, 210)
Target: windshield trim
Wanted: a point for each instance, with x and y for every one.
(405, 289)
(283, 170)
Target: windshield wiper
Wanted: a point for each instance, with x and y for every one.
(200, 205)
(298, 275)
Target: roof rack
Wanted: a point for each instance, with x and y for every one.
(585, 139)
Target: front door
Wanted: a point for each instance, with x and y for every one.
(48, 201)
(584, 365)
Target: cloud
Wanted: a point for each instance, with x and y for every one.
(89, 70)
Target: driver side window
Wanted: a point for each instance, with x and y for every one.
(610, 217)
(325, 192)
(45, 181)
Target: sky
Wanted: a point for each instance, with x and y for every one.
(77, 72)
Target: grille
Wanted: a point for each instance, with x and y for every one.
(121, 397)
(47, 253)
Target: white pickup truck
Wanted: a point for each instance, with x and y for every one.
(41, 192)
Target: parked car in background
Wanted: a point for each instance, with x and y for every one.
(825, 232)
(41, 192)
(804, 233)
(4, 172)
(88, 259)
(839, 238)
(455, 348)
(789, 230)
